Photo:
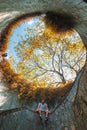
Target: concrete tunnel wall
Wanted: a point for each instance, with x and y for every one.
(78, 8)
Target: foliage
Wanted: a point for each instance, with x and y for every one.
(31, 91)
(46, 56)
(50, 94)
(9, 76)
(43, 58)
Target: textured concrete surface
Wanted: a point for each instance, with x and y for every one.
(78, 8)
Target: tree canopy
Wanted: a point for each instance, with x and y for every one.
(42, 62)
(48, 57)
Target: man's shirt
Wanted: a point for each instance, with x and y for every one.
(42, 106)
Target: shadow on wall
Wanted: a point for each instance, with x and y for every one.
(85, 1)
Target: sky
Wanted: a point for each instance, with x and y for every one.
(20, 30)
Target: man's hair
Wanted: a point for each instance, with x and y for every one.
(4, 55)
(42, 99)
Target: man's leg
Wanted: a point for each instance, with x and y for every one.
(47, 112)
(39, 111)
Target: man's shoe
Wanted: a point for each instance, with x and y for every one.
(40, 117)
(46, 119)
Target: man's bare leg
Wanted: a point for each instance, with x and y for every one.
(47, 112)
(39, 111)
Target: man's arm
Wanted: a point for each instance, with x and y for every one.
(38, 106)
(47, 107)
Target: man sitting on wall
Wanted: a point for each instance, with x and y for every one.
(42, 107)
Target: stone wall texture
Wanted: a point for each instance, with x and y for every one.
(72, 114)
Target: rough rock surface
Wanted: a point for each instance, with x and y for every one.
(78, 8)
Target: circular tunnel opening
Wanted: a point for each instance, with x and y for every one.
(42, 59)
